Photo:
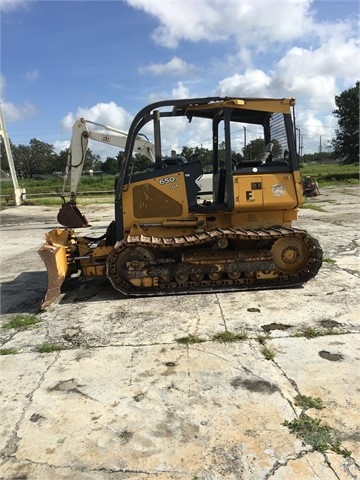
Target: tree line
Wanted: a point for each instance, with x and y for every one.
(40, 158)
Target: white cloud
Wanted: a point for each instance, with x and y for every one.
(60, 145)
(180, 91)
(7, 5)
(253, 83)
(2, 87)
(175, 66)
(250, 23)
(322, 57)
(109, 114)
(32, 75)
(316, 75)
(105, 113)
(199, 21)
(12, 112)
(268, 48)
(314, 131)
(313, 74)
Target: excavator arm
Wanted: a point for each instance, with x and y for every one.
(69, 214)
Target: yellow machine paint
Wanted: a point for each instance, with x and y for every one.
(155, 199)
(54, 255)
(167, 239)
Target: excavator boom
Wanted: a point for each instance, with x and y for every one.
(69, 214)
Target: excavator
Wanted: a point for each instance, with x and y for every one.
(69, 215)
(164, 240)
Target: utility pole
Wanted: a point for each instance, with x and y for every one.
(298, 142)
(18, 192)
(244, 136)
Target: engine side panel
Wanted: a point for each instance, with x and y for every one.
(265, 192)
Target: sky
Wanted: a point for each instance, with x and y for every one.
(105, 60)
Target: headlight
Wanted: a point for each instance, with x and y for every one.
(278, 190)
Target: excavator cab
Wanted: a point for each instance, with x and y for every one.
(165, 239)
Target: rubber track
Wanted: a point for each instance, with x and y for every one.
(283, 281)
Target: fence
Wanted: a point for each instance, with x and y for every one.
(10, 197)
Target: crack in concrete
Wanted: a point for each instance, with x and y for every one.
(131, 366)
(9, 338)
(290, 458)
(235, 367)
(347, 467)
(109, 470)
(188, 371)
(278, 465)
(143, 472)
(351, 272)
(292, 383)
(221, 311)
(12, 444)
(328, 463)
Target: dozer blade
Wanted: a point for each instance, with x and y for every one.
(70, 216)
(54, 257)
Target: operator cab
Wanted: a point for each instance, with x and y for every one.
(219, 124)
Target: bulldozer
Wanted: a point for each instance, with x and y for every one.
(165, 239)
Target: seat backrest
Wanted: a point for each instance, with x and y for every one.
(263, 156)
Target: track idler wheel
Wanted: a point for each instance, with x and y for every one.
(127, 268)
(290, 254)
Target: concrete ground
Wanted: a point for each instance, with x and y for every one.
(125, 400)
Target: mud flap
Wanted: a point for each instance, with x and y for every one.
(70, 216)
(54, 257)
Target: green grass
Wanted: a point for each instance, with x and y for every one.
(50, 347)
(225, 337)
(313, 432)
(311, 332)
(268, 353)
(21, 322)
(81, 201)
(306, 402)
(8, 351)
(265, 350)
(332, 174)
(55, 185)
(262, 339)
(329, 260)
(311, 206)
(189, 340)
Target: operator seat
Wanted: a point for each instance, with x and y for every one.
(266, 155)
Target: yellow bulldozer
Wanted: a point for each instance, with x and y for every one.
(165, 238)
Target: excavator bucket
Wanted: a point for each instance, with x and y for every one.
(55, 260)
(70, 216)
